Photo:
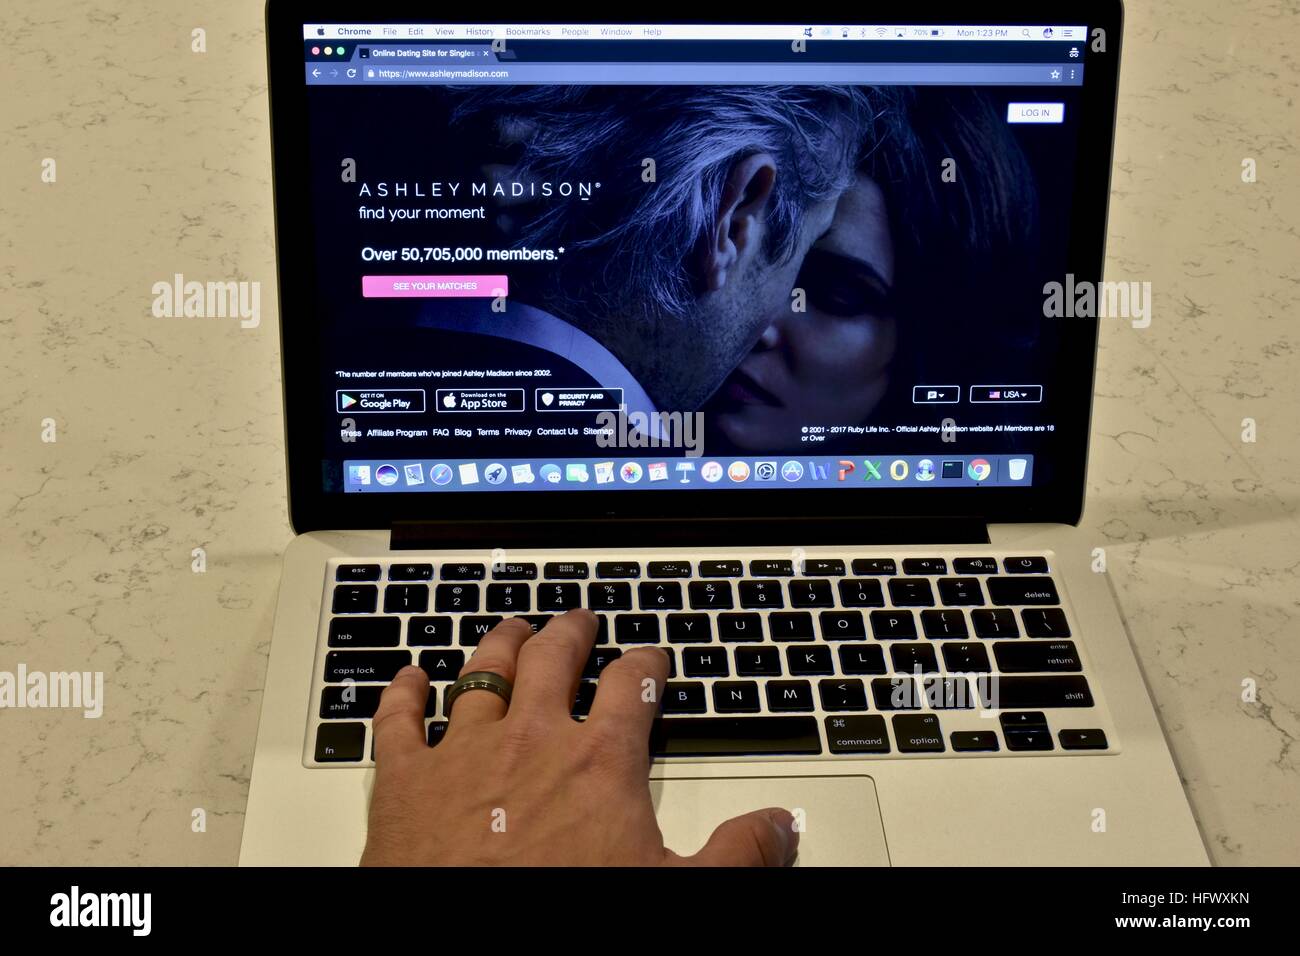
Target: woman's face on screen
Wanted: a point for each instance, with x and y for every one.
(826, 365)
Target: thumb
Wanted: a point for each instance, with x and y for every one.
(762, 838)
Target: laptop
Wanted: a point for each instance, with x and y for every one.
(772, 343)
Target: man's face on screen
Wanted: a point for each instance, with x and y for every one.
(681, 360)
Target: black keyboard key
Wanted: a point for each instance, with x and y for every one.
(689, 629)
(1028, 738)
(918, 734)
(999, 623)
(966, 658)
(684, 697)
(807, 592)
(428, 631)
(618, 569)
(355, 599)
(558, 597)
(842, 625)
(874, 566)
(659, 595)
(672, 662)
(734, 736)
(365, 632)
(772, 568)
(1083, 739)
(536, 621)
(566, 570)
(721, 569)
(1054, 691)
(583, 700)
(406, 599)
(1029, 565)
(463, 572)
(893, 625)
(823, 567)
(1018, 591)
(944, 625)
(789, 696)
(668, 569)
(474, 629)
(736, 697)
(1045, 622)
(437, 730)
(969, 741)
(948, 693)
(809, 661)
(846, 693)
(758, 662)
(790, 626)
(361, 666)
(960, 592)
(895, 693)
(455, 598)
(599, 659)
(704, 662)
(862, 659)
(740, 627)
(442, 665)
(760, 594)
(856, 592)
(602, 628)
(914, 658)
(707, 595)
(514, 571)
(357, 572)
(636, 629)
(611, 596)
(925, 566)
(410, 572)
(336, 743)
(349, 702)
(857, 734)
(975, 566)
(905, 592)
(1021, 719)
(1039, 657)
(508, 598)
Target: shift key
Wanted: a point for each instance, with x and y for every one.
(1016, 693)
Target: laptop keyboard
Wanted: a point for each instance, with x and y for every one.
(815, 657)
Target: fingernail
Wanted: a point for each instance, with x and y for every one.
(783, 822)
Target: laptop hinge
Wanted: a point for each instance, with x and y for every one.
(684, 532)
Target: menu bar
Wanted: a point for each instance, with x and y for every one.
(694, 31)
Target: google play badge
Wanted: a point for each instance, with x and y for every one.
(346, 401)
(979, 469)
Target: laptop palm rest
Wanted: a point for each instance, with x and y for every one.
(841, 817)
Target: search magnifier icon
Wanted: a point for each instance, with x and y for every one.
(1024, 32)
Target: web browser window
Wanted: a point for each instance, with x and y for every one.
(562, 257)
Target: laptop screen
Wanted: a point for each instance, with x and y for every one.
(553, 258)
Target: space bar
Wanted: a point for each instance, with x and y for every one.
(733, 736)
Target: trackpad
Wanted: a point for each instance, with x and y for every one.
(841, 818)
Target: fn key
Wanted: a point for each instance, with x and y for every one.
(340, 742)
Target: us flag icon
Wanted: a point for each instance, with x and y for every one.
(995, 394)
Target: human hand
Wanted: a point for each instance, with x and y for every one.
(525, 784)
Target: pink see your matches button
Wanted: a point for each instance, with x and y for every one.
(434, 287)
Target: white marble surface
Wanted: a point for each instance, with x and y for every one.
(170, 435)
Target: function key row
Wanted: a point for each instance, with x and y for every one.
(760, 568)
